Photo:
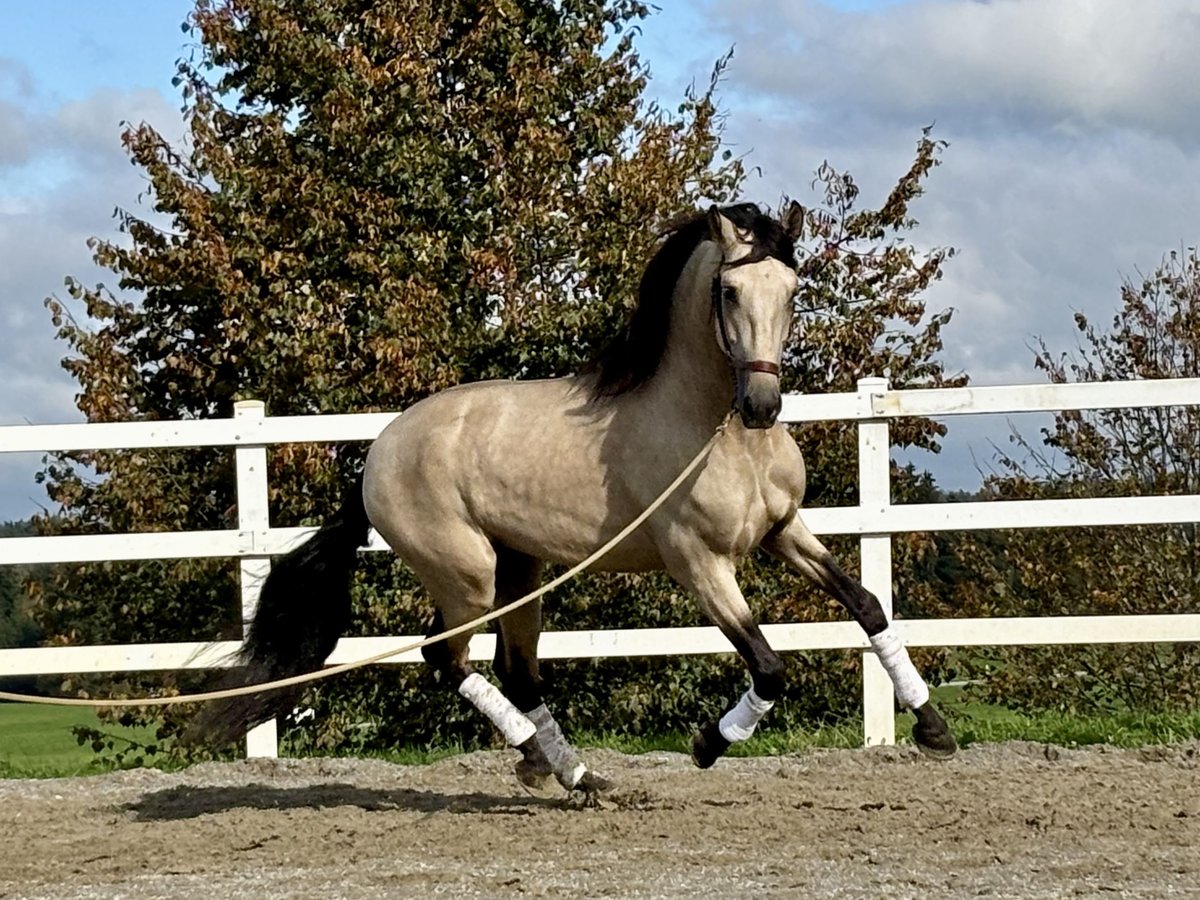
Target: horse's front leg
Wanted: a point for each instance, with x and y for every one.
(711, 580)
(799, 547)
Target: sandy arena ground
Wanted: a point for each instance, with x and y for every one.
(1013, 820)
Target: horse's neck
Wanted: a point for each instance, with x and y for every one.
(694, 377)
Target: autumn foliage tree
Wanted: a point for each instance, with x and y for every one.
(378, 200)
(375, 201)
(16, 629)
(1105, 570)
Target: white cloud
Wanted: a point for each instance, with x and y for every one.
(1045, 229)
(89, 129)
(1074, 130)
(1042, 226)
(16, 143)
(1066, 65)
(60, 189)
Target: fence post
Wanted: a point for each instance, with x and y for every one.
(875, 558)
(253, 507)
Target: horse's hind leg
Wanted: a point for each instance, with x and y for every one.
(460, 579)
(711, 579)
(516, 660)
(798, 547)
(517, 668)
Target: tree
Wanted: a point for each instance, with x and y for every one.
(1108, 453)
(16, 628)
(376, 201)
(380, 200)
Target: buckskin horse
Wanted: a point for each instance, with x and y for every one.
(479, 486)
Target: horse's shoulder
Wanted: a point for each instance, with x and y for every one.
(785, 479)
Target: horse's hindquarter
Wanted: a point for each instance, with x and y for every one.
(529, 465)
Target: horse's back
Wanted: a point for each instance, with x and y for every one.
(522, 463)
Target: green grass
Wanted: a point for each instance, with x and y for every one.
(36, 741)
(975, 722)
(765, 742)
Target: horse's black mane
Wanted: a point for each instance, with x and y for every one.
(632, 359)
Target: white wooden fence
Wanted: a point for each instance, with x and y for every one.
(875, 519)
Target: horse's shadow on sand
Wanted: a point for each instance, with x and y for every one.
(179, 803)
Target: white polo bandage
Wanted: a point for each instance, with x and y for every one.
(911, 689)
(509, 720)
(739, 723)
(566, 765)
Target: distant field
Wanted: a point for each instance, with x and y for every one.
(36, 741)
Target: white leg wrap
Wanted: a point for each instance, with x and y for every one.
(739, 723)
(567, 767)
(486, 697)
(911, 689)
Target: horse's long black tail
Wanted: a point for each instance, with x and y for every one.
(303, 608)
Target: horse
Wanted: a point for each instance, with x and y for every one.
(477, 487)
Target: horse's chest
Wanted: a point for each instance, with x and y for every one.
(741, 496)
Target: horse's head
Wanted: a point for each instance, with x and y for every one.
(752, 292)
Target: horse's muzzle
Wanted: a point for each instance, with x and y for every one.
(758, 399)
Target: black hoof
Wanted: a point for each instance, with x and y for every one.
(932, 735)
(591, 783)
(532, 777)
(708, 745)
(534, 770)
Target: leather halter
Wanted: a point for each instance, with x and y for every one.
(718, 305)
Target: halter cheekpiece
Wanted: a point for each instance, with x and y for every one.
(718, 305)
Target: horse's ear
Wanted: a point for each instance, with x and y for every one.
(721, 230)
(793, 221)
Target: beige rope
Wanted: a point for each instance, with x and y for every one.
(380, 657)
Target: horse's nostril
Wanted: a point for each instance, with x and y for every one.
(760, 409)
(758, 418)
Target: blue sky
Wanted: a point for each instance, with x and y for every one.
(70, 46)
(1074, 130)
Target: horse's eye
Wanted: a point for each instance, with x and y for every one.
(729, 294)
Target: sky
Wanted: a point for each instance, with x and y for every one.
(1073, 130)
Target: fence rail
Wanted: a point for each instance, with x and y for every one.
(874, 520)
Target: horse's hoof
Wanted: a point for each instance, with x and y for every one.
(532, 775)
(932, 735)
(591, 783)
(533, 769)
(708, 745)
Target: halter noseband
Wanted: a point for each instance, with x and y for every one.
(718, 305)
